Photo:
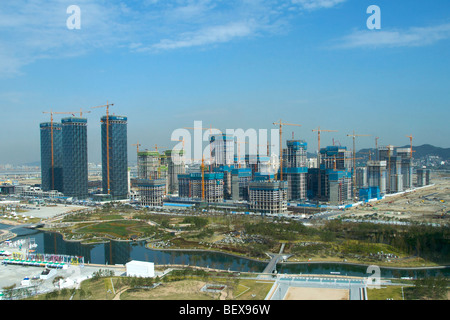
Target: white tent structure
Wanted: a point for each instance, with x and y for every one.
(140, 269)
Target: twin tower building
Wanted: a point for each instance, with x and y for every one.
(64, 157)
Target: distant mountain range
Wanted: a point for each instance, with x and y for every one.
(419, 151)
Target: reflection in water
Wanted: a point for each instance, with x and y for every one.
(121, 252)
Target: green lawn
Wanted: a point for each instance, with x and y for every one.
(384, 293)
(121, 228)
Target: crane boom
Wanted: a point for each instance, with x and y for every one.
(280, 123)
(51, 112)
(410, 140)
(107, 105)
(354, 156)
(319, 181)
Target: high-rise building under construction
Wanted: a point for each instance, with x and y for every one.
(222, 150)
(175, 166)
(295, 169)
(75, 157)
(114, 162)
(51, 156)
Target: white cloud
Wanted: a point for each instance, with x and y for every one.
(317, 4)
(34, 30)
(208, 35)
(412, 37)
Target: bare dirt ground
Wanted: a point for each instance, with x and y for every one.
(179, 290)
(428, 204)
(316, 294)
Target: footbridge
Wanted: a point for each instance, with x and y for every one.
(274, 259)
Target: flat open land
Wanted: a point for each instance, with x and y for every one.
(180, 290)
(428, 204)
(316, 294)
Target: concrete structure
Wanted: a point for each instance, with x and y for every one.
(334, 175)
(175, 166)
(336, 157)
(148, 163)
(117, 186)
(140, 269)
(190, 186)
(222, 150)
(36, 192)
(240, 179)
(394, 177)
(423, 177)
(268, 196)
(51, 177)
(376, 175)
(361, 177)
(406, 167)
(227, 187)
(151, 192)
(339, 189)
(74, 156)
(295, 169)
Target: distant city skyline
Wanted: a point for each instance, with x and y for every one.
(230, 64)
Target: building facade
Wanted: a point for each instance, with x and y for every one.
(295, 169)
(75, 157)
(222, 150)
(268, 196)
(209, 189)
(377, 175)
(151, 192)
(51, 174)
(175, 166)
(115, 163)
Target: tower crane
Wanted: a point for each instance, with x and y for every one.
(238, 143)
(268, 145)
(210, 133)
(137, 145)
(80, 112)
(410, 140)
(389, 165)
(376, 147)
(319, 181)
(51, 112)
(354, 136)
(280, 123)
(203, 177)
(183, 150)
(159, 159)
(107, 105)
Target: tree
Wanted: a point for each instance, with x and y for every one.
(430, 288)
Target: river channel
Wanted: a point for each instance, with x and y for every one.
(121, 252)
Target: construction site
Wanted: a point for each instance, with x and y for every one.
(423, 204)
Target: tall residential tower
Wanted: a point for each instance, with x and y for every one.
(51, 156)
(75, 157)
(114, 162)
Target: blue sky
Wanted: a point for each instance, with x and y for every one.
(230, 64)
